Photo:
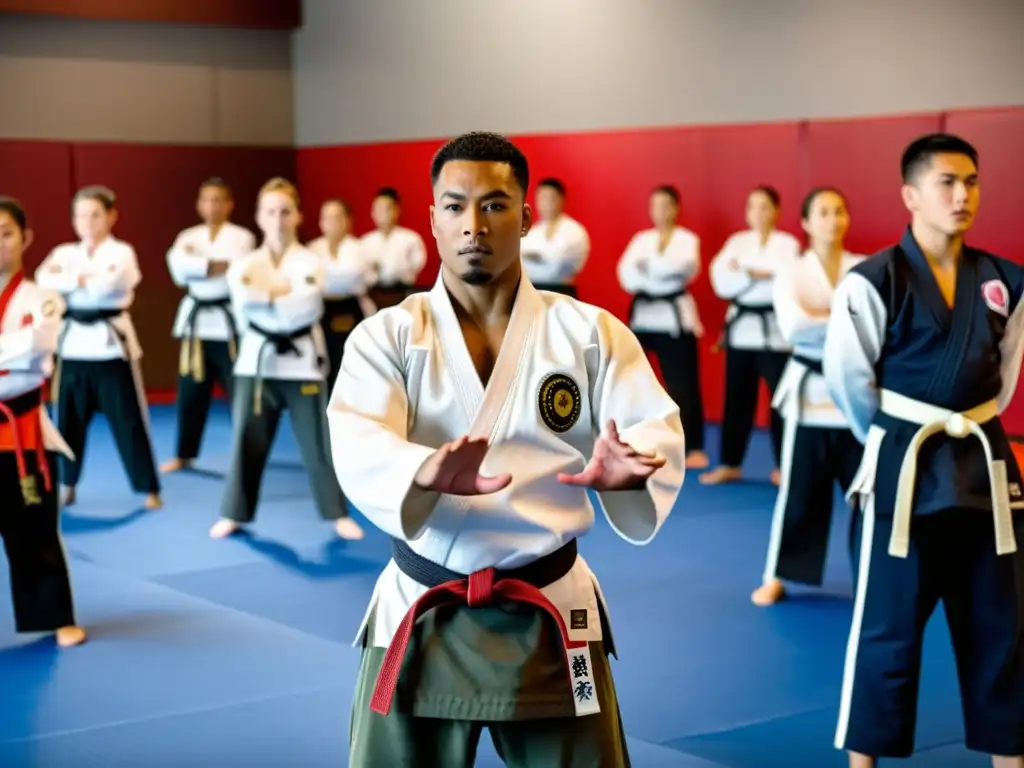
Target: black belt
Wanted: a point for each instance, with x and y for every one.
(224, 305)
(24, 403)
(284, 344)
(191, 362)
(761, 310)
(91, 316)
(540, 573)
(809, 363)
(649, 298)
(85, 317)
(810, 366)
(341, 315)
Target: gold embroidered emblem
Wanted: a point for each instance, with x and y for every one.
(49, 308)
(310, 389)
(311, 279)
(559, 402)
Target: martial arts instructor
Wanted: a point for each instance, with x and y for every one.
(468, 423)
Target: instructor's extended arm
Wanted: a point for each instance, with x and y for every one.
(624, 390)
(394, 482)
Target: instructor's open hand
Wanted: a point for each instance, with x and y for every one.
(615, 465)
(454, 468)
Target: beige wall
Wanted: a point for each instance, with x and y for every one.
(376, 70)
(106, 81)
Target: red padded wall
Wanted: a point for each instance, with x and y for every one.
(862, 158)
(156, 188)
(609, 174)
(40, 175)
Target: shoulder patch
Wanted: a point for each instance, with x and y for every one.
(559, 402)
(311, 279)
(49, 308)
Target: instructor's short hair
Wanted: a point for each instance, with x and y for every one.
(918, 156)
(482, 147)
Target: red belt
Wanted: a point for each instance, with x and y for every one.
(21, 429)
(477, 590)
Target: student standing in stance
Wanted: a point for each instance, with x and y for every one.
(396, 253)
(198, 262)
(923, 352)
(742, 273)
(98, 352)
(556, 248)
(469, 424)
(277, 292)
(30, 509)
(657, 269)
(818, 447)
(347, 277)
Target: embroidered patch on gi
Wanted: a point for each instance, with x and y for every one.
(997, 298)
(311, 279)
(559, 402)
(310, 389)
(577, 619)
(49, 308)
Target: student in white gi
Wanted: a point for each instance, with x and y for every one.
(29, 443)
(557, 246)
(742, 273)
(277, 292)
(98, 353)
(397, 253)
(818, 448)
(198, 262)
(347, 277)
(472, 420)
(657, 269)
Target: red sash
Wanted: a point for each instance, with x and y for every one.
(479, 589)
(21, 425)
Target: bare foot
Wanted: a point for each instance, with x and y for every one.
(776, 477)
(153, 501)
(175, 465)
(224, 528)
(69, 636)
(862, 761)
(349, 529)
(768, 593)
(68, 497)
(721, 475)
(697, 460)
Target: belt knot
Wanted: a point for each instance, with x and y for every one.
(481, 588)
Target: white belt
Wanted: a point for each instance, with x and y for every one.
(934, 420)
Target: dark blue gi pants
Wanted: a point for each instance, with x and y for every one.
(952, 558)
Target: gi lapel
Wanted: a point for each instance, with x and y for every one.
(923, 282)
(955, 323)
(8, 294)
(482, 404)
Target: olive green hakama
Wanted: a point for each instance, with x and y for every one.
(500, 666)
